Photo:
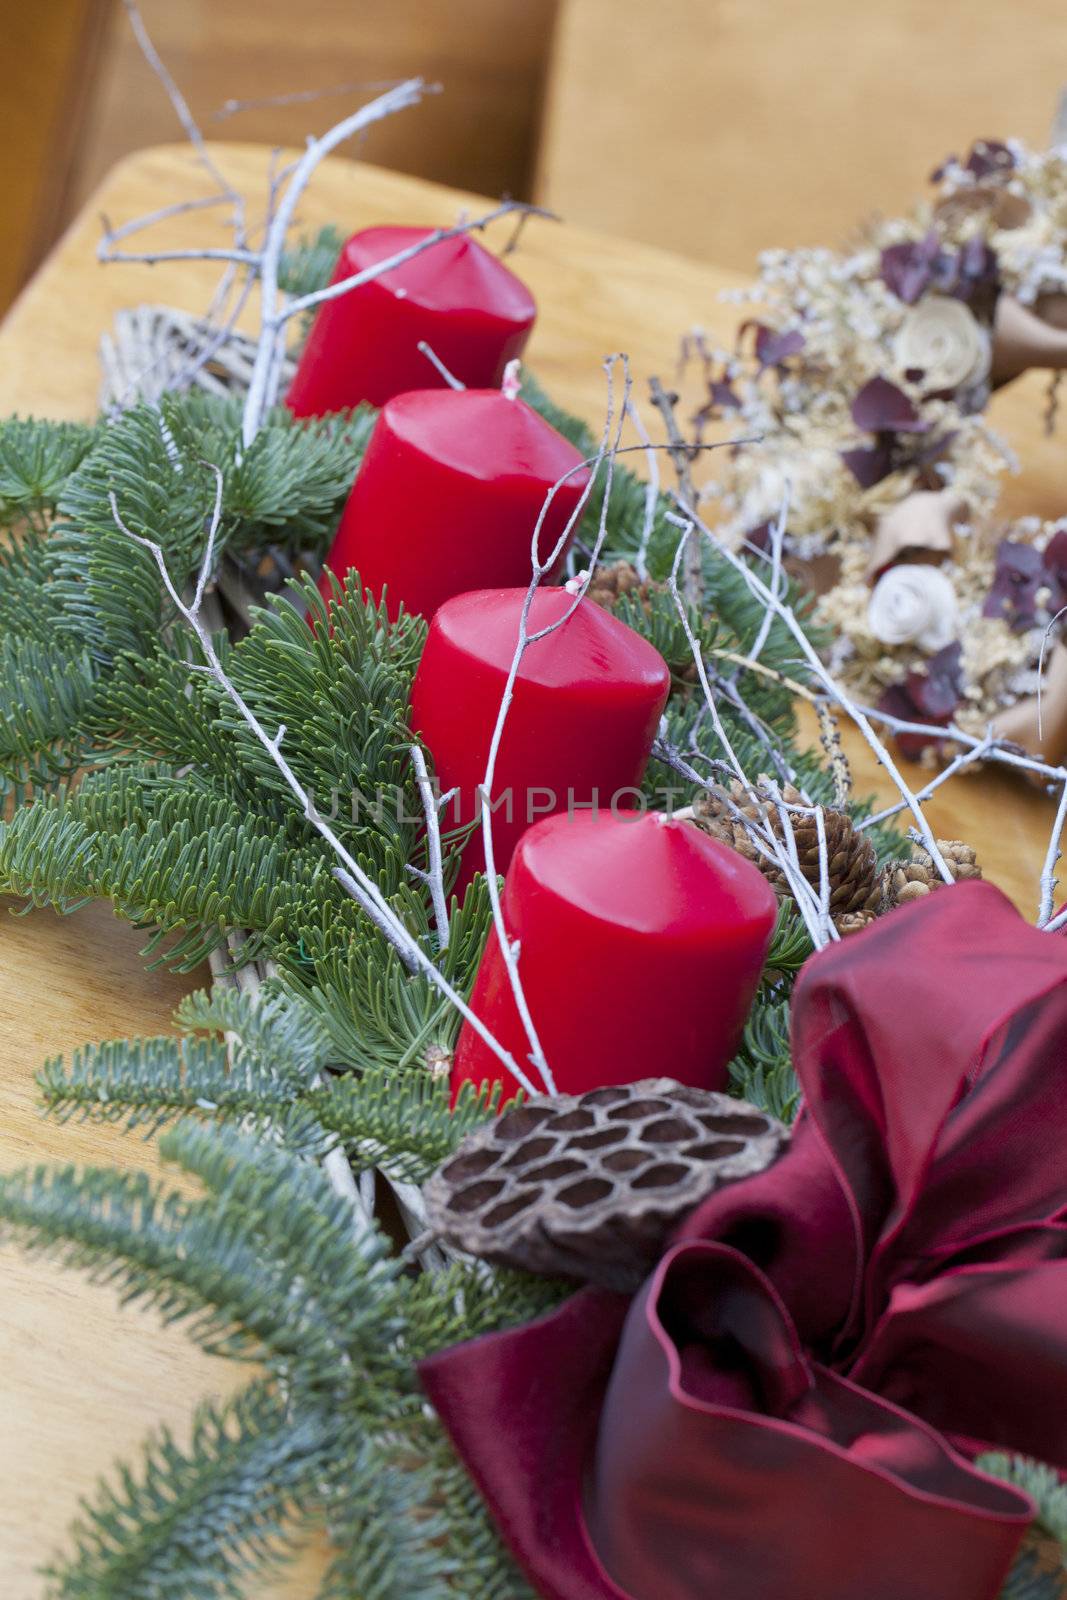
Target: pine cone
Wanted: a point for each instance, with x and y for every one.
(590, 1186)
(855, 882)
(914, 879)
(610, 584)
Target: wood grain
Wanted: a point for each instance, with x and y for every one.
(726, 127)
(81, 1381)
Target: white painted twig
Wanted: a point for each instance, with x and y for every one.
(434, 878)
(1002, 751)
(651, 490)
(184, 115)
(830, 684)
(1052, 855)
(784, 851)
(525, 638)
(272, 313)
(777, 543)
(966, 758)
(245, 978)
(435, 361)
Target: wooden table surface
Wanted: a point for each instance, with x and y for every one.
(80, 1381)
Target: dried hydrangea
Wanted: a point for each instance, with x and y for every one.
(865, 374)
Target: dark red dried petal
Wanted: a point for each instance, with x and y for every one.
(774, 348)
(1020, 573)
(869, 464)
(881, 407)
(989, 157)
(897, 702)
(1055, 564)
(936, 692)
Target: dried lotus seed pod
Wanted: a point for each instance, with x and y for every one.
(590, 1186)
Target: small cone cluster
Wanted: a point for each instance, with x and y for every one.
(914, 879)
(855, 879)
(610, 584)
(859, 889)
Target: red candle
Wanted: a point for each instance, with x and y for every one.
(449, 494)
(585, 708)
(642, 941)
(474, 313)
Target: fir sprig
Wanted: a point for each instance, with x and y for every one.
(206, 1520)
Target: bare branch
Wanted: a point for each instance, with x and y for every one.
(682, 455)
(830, 684)
(334, 291)
(435, 876)
(435, 361)
(1052, 855)
(525, 639)
(272, 313)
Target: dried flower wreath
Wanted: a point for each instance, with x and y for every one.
(866, 376)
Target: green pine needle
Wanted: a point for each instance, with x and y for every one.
(207, 1521)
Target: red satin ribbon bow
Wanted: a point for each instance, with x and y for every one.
(771, 1415)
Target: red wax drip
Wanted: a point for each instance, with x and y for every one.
(641, 944)
(586, 705)
(474, 313)
(449, 495)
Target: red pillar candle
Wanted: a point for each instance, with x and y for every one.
(474, 313)
(585, 708)
(641, 942)
(449, 494)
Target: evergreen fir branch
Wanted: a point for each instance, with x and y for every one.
(481, 1562)
(341, 691)
(273, 1030)
(188, 864)
(146, 1083)
(263, 1064)
(28, 605)
(154, 1247)
(287, 487)
(151, 707)
(402, 1123)
(308, 265)
(790, 945)
(37, 456)
(108, 586)
(283, 1207)
(762, 1071)
(226, 1265)
(379, 1015)
(463, 1301)
(390, 1539)
(1042, 1483)
(204, 1521)
(656, 619)
(46, 693)
(289, 484)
